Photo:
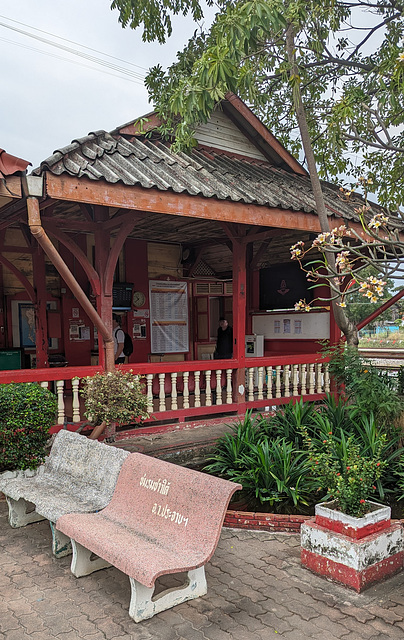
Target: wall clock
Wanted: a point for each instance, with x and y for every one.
(139, 299)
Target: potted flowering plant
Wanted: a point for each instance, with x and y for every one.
(111, 398)
(351, 539)
(348, 477)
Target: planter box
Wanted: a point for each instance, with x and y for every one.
(356, 552)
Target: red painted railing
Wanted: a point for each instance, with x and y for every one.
(177, 391)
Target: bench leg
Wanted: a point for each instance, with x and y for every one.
(82, 564)
(61, 544)
(18, 514)
(142, 606)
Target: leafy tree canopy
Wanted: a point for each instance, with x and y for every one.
(350, 72)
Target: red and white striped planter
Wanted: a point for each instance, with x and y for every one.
(354, 551)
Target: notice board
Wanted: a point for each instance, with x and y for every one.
(169, 316)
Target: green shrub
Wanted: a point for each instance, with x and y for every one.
(277, 473)
(27, 411)
(230, 448)
(362, 384)
(290, 419)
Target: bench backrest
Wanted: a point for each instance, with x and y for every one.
(176, 507)
(76, 460)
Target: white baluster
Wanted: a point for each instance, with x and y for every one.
(174, 403)
(44, 384)
(197, 389)
(250, 384)
(61, 402)
(162, 395)
(311, 378)
(286, 380)
(186, 389)
(76, 400)
(303, 388)
(295, 379)
(326, 378)
(149, 379)
(269, 382)
(229, 390)
(260, 383)
(208, 398)
(278, 381)
(319, 377)
(219, 386)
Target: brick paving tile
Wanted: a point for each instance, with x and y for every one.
(32, 623)
(215, 633)
(223, 620)
(310, 628)
(275, 623)
(361, 615)
(198, 620)
(244, 619)
(109, 628)
(250, 607)
(359, 629)
(184, 632)
(388, 615)
(8, 622)
(20, 634)
(383, 627)
(303, 610)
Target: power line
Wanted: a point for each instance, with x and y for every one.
(80, 64)
(83, 46)
(81, 54)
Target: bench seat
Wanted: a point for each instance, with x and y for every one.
(79, 475)
(162, 519)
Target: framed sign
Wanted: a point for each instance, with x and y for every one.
(169, 316)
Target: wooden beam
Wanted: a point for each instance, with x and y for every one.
(78, 253)
(261, 250)
(71, 225)
(10, 187)
(264, 235)
(170, 203)
(23, 279)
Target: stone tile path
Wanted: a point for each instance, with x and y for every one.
(256, 590)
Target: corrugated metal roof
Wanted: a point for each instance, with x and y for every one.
(150, 163)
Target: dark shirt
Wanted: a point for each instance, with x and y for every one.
(224, 343)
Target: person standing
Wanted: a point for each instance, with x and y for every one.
(224, 341)
(119, 339)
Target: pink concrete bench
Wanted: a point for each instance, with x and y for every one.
(162, 519)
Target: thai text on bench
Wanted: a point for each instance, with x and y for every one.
(155, 485)
(165, 512)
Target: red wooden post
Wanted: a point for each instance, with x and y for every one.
(104, 302)
(39, 278)
(239, 313)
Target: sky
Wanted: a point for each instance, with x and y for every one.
(49, 96)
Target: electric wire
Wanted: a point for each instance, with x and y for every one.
(80, 64)
(86, 56)
(83, 46)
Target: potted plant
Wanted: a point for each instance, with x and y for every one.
(111, 398)
(351, 540)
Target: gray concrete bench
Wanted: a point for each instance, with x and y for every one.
(79, 475)
(162, 519)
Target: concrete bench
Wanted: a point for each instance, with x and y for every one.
(79, 475)
(162, 519)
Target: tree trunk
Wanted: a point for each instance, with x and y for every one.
(347, 327)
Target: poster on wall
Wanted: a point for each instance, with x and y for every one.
(169, 316)
(26, 312)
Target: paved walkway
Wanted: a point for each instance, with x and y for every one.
(257, 589)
